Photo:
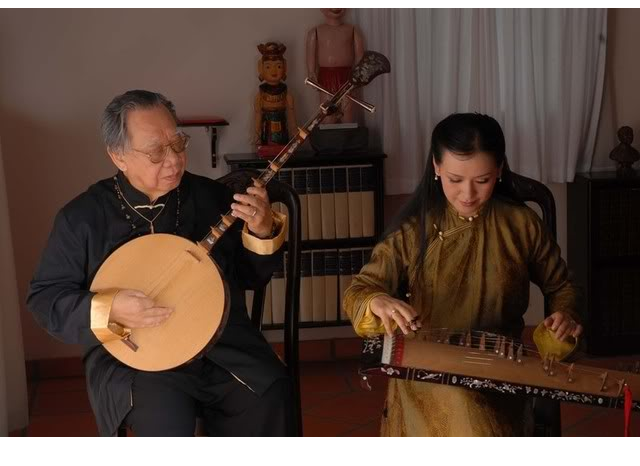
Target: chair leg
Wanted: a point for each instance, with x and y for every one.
(546, 414)
(297, 415)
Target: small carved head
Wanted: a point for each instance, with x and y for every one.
(625, 134)
(272, 66)
(333, 13)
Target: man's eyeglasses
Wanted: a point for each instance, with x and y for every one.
(159, 153)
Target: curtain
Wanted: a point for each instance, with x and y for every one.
(13, 386)
(539, 72)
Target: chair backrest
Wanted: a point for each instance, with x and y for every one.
(531, 190)
(239, 181)
(546, 412)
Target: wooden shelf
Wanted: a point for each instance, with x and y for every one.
(310, 160)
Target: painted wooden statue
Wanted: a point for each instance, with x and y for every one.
(275, 120)
(332, 50)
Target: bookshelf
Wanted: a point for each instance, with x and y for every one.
(342, 198)
(603, 252)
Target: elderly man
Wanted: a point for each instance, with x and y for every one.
(239, 387)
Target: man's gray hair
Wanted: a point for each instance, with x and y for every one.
(114, 118)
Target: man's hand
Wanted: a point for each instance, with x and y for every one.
(255, 209)
(133, 309)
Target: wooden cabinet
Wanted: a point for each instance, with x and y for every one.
(603, 251)
(333, 250)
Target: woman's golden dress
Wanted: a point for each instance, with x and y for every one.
(476, 275)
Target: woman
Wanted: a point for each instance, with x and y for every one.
(463, 252)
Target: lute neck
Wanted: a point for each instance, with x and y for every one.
(227, 220)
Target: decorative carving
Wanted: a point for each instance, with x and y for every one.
(425, 375)
(390, 370)
(372, 345)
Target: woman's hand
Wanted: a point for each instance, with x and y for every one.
(255, 209)
(563, 325)
(390, 309)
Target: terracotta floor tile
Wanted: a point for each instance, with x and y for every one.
(347, 348)
(315, 350)
(320, 427)
(348, 369)
(607, 423)
(333, 403)
(60, 403)
(322, 367)
(310, 400)
(322, 378)
(369, 430)
(66, 384)
(574, 413)
(60, 367)
(66, 425)
(32, 389)
(356, 407)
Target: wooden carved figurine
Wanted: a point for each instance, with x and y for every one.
(275, 119)
(624, 154)
(332, 50)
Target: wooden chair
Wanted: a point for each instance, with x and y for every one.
(546, 412)
(238, 181)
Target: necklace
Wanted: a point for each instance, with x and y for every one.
(121, 197)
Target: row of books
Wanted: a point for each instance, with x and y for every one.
(325, 275)
(336, 202)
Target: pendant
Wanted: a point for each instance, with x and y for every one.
(152, 231)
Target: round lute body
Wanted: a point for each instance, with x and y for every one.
(175, 273)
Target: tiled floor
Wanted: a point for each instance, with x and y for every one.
(333, 404)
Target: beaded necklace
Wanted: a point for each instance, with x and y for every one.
(124, 200)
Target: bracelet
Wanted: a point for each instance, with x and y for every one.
(274, 230)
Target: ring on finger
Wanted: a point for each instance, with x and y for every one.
(393, 311)
(255, 211)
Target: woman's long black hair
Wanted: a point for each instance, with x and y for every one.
(464, 134)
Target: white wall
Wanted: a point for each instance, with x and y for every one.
(59, 69)
(621, 99)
